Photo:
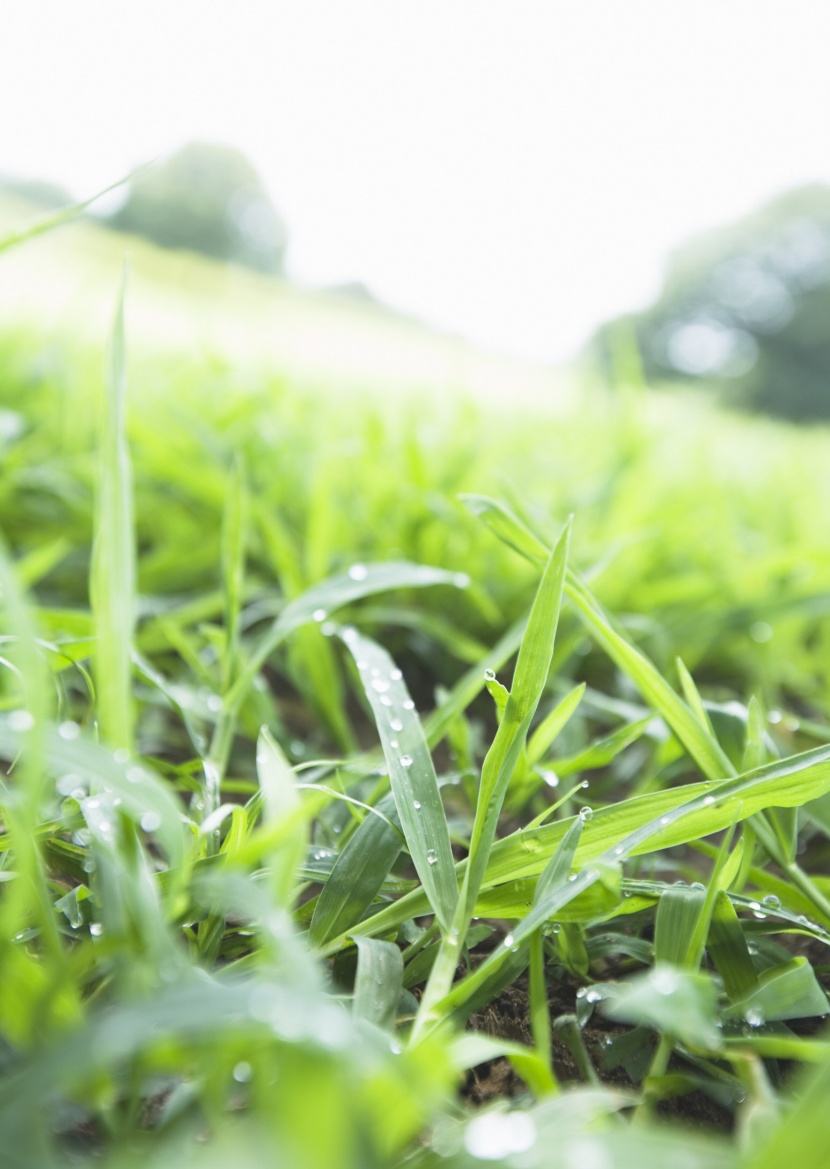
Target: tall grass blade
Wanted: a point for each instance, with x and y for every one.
(112, 581)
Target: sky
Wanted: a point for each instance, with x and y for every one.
(514, 171)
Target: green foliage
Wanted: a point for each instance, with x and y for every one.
(207, 198)
(258, 792)
(747, 306)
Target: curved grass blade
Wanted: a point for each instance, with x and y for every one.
(53, 219)
(636, 826)
(321, 601)
(378, 983)
(411, 773)
(316, 605)
(144, 797)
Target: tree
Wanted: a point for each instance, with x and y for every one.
(207, 198)
(747, 307)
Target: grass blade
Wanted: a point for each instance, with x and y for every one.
(280, 799)
(53, 219)
(411, 773)
(378, 983)
(112, 581)
(357, 875)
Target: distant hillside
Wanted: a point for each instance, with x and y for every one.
(65, 283)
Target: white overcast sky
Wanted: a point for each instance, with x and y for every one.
(515, 171)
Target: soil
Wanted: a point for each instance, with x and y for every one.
(507, 1017)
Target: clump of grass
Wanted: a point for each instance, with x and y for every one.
(355, 764)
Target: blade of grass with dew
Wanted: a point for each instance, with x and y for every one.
(411, 773)
(21, 812)
(529, 679)
(789, 991)
(112, 579)
(357, 874)
(683, 815)
(364, 862)
(142, 795)
(378, 982)
(316, 605)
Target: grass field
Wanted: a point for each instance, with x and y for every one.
(397, 778)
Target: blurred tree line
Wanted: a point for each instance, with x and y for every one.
(746, 308)
(207, 198)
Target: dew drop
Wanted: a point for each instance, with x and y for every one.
(490, 675)
(394, 744)
(385, 700)
(361, 665)
(96, 929)
(69, 730)
(708, 801)
(432, 856)
(755, 1017)
(405, 760)
(319, 615)
(461, 580)
(358, 572)
(396, 724)
(242, 1072)
(408, 704)
(493, 1136)
(150, 821)
(772, 902)
(21, 720)
(416, 804)
(550, 778)
(585, 783)
(664, 981)
(395, 675)
(586, 814)
(508, 941)
(380, 685)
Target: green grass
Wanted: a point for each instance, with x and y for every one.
(328, 732)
